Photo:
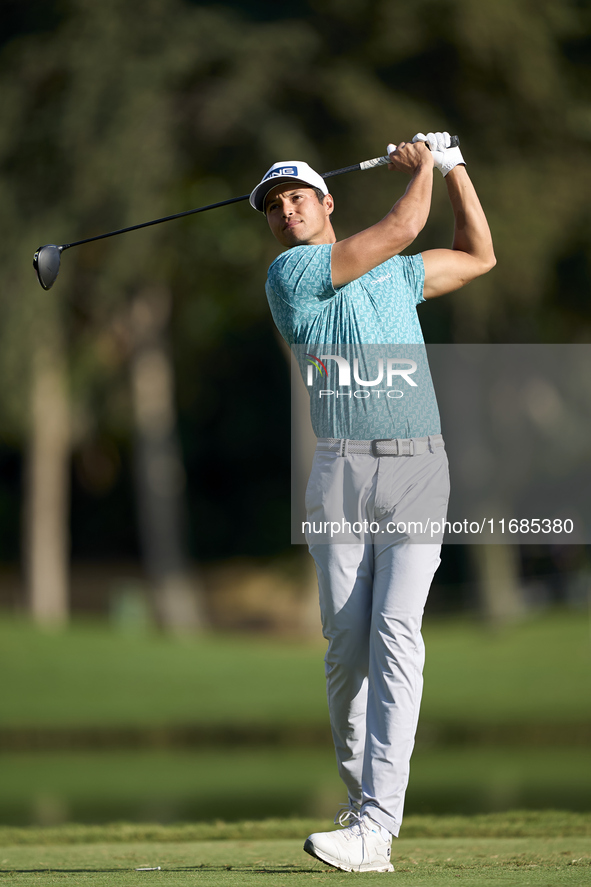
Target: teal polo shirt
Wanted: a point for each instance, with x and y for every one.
(367, 324)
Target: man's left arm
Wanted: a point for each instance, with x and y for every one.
(471, 254)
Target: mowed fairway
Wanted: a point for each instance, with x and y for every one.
(536, 859)
(432, 861)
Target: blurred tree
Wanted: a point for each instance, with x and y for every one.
(159, 471)
(121, 112)
(46, 542)
(98, 90)
(513, 80)
(95, 108)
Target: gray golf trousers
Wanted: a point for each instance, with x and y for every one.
(372, 596)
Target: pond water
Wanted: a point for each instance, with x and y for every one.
(235, 784)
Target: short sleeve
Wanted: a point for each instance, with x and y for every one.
(301, 276)
(414, 274)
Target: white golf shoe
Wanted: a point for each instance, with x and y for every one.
(361, 847)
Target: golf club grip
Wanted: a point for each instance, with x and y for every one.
(382, 161)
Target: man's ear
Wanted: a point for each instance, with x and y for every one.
(328, 202)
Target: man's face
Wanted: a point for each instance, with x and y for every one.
(296, 216)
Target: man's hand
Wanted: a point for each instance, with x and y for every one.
(444, 157)
(408, 157)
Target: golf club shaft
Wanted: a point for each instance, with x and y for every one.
(187, 212)
(365, 164)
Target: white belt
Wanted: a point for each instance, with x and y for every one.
(396, 446)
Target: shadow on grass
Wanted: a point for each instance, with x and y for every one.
(239, 869)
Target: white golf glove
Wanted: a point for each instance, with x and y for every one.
(445, 158)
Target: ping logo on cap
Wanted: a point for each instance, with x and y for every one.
(281, 171)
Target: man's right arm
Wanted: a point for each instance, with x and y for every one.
(355, 256)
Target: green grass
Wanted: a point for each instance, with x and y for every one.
(539, 670)
(89, 675)
(511, 824)
(552, 850)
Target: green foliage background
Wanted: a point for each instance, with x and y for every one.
(118, 112)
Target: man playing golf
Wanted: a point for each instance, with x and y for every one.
(376, 459)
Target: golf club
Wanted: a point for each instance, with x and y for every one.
(46, 260)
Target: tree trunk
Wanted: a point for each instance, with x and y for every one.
(303, 444)
(499, 588)
(159, 472)
(47, 489)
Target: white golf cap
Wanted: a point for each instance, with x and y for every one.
(285, 171)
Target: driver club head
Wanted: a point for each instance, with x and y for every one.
(46, 263)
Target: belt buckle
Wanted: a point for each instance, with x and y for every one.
(378, 440)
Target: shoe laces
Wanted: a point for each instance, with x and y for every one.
(348, 815)
(355, 825)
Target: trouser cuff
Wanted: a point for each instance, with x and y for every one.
(381, 818)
